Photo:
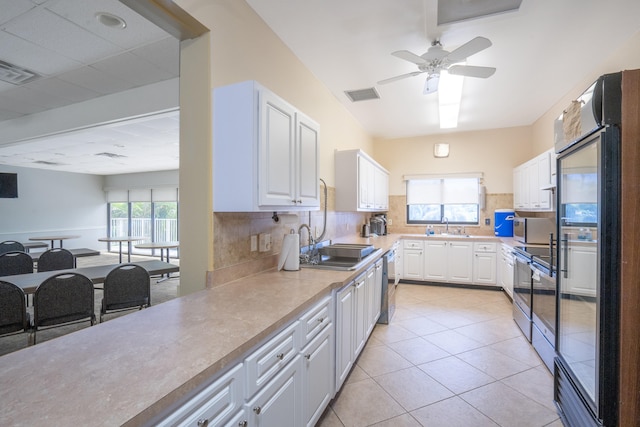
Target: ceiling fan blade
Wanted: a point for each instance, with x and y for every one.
(431, 85)
(400, 77)
(471, 71)
(408, 56)
(470, 48)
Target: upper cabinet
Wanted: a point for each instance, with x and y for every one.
(265, 152)
(361, 183)
(534, 182)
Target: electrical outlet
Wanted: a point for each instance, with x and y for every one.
(487, 221)
(264, 242)
(254, 243)
(389, 221)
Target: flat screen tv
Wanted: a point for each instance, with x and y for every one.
(8, 185)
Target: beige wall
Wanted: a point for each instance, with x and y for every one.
(492, 152)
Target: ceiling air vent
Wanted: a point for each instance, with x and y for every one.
(362, 94)
(111, 155)
(16, 75)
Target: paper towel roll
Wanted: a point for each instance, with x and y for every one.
(289, 256)
(288, 219)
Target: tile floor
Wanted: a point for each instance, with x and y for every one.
(450, 357)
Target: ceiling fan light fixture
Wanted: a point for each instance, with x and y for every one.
(449, 98)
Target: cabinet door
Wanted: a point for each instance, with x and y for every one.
(377, 291)
(381, 189)
(518, 201)
(317, 385)
(371, 312)
(544, 180)
(484, 268)
(581, 280)
(344, 333)
(533, 178)
(307, 144)
(413, 265)
(361, 311)
(279, 403)
(435, 260)
(460, 262)
(276, 159)
(365, 184)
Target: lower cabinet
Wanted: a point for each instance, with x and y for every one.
(484, 263)
(317, 360)
(345, 332)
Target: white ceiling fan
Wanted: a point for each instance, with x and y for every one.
(437, 59)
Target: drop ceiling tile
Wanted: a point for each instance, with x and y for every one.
(138, 32)
(33, 57)
(37, 97)
(66, 90)
(165, 54)
(132, 69)
(95, 80)
(50, 31)
(12, 100)
(11, 8)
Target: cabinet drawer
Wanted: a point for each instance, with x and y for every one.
(264, 363)
(484, 247)
(216, 404)
(315, 320)
(412, 244)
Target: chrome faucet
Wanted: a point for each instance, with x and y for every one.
(308, 233)
(308, 256)
(445, 220)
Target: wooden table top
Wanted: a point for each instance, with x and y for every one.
(158, 245)
(77, 253)
(55, 237)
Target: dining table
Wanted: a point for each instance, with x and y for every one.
(162, 246)
(53, 237)
(77, 253)
(119, 240)
(30, 281)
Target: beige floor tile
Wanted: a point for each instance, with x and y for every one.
(492, 331)
(418, 350)
(508, 407)
(329, 419)
(391, 333)
(453, 342)
(492, 362)
(448, 317)
(535, 383)
(456, 375)
(453, 412)
(413, 388)
(381, 360)
(422, 326)
(356, 374)
(404, 420)
(520, 349)
(364, 403)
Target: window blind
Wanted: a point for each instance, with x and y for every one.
(442, 191)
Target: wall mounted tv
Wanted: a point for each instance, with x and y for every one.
(8, 185)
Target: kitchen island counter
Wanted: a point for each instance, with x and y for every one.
(129, 369)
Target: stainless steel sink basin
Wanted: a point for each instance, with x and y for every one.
(342, 257)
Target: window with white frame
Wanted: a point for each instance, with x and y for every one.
(434, 199)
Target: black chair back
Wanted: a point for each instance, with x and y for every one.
(126, 286)
(11, 246)
(55, 259)
(63, 298)
(13, 310)
(15, 263)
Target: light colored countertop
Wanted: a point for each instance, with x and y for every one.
(127, 370)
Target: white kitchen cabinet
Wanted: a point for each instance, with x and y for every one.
(345, 333)
(361, 183)
(361, 321)
(484, 263)
(435, 260)
(533, 182)
(413, 260)
(279, 403)
(265, 152)
(377, 293)
(459, 261)
(317, 360)
(505, 269)
(218, 403)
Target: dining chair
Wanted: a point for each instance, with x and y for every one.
(13, 311)
(126, 287)
(15, 262)
(11, 246)
(62, 299)
(55, 259)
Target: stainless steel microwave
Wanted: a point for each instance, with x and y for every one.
(533, 230)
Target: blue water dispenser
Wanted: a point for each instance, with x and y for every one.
(503, 222)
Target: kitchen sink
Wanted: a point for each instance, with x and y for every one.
(340, 256)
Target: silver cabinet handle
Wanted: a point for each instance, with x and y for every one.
(280, 356)
(321, 319)
(257, 410)
(242, 423)
(203, 422)
(307, 356)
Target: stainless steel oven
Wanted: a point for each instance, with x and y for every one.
(522, 293)
(543, 329)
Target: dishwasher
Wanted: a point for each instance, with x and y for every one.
(390, 279)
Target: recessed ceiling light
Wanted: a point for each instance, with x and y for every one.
(110, 20)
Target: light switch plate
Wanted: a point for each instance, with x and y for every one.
(264, 242)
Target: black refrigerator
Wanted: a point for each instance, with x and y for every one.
(588, 148)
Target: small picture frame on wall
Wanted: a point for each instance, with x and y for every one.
(8, 185)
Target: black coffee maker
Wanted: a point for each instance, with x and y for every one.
(378, 224)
